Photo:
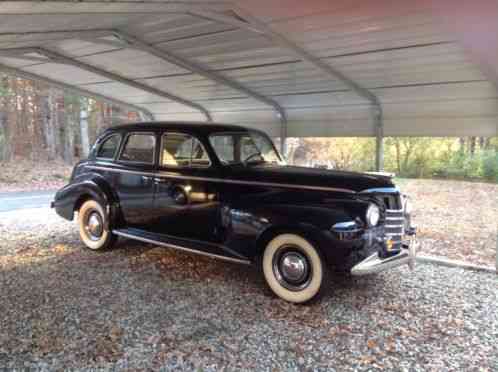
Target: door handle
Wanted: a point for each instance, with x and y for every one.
(146, 178)
(158, 180)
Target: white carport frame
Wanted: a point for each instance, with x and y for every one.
(253, 25)
(143, 112)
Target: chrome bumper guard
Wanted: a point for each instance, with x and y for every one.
(374, 264)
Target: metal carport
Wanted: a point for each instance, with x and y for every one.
(292, 68)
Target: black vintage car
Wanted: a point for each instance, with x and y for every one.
(224, 191)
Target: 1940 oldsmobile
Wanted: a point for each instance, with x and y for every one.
(224, 191)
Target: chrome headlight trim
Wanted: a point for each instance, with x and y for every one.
(373, 215)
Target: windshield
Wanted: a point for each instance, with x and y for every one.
(244, 147)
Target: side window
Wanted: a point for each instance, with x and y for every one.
(139, 147)
(183, 150)
(224, 147)
(108, 148)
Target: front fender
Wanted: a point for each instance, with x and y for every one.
(251, 228)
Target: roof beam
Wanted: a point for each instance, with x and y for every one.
(255, 25)
(251, 23)
(60, 58)
(17, 37)
(55, 57)
(109, 7)
(16, 54)
(196, 68)
(71, 88)
(131, 41)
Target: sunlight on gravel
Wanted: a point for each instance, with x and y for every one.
(143, 307)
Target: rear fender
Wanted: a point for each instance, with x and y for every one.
(93, 186)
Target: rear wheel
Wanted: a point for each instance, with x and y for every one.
(92, 227)
(294, 269)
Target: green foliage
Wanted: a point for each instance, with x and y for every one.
(409, 157)
(4, 91)
(342, 153)
(490, 165)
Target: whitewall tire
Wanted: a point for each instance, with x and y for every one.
(293, 268)
(92, 227)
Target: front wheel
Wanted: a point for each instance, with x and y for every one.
(294, 269)
(92, 227)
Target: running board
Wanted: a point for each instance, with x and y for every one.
(180, 244)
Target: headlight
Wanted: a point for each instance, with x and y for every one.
(373, 215)
(408, 206)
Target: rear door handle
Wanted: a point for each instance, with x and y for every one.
(146, 178)
(159, 180)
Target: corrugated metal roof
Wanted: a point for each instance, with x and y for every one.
(403, 53)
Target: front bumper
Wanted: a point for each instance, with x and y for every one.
(375, 264)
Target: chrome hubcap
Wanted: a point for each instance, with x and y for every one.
(94, 226)
(291, 268)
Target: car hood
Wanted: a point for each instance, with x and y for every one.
(311, 177)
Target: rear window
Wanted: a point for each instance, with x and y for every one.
(139, 148)
(109, 147)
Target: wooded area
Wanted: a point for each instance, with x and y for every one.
(415, 157)
(45, 123)
(39, 122)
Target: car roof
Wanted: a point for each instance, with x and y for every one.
(199, 128)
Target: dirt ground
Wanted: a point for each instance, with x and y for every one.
(456, 219)
(26, 175)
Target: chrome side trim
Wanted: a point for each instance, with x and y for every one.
(223, 180)
(394, 189)
(185, 249)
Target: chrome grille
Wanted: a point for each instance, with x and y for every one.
(395, 226)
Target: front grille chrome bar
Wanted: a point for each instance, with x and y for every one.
(396, 224)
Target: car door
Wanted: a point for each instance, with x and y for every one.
(186, 202)
(134, 181)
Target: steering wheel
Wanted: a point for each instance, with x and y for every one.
(246, 160)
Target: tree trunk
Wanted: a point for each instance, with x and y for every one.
(398, 155)
(58, 117)
(4, 130)
(482, 142)
(68, 140)
(472, 146)
(4, 117)
(85, 143)
(487, 143)
(409, 146)
(462, 145)
(51, 125)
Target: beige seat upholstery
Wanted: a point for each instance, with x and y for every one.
(168, 159)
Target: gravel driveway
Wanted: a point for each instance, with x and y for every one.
(142, 307)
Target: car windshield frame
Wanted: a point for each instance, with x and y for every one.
(248, 133)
